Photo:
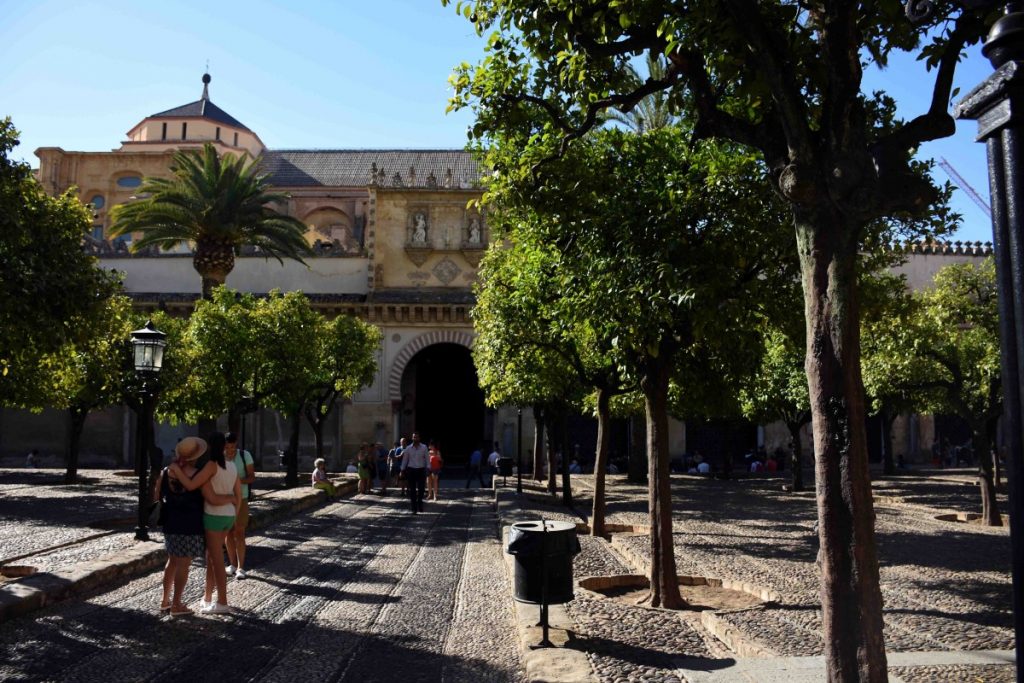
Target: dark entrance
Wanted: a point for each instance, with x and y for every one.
(442, 400)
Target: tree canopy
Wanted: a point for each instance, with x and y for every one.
(49, 287)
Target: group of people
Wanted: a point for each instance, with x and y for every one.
(415, 466)
(204, 497)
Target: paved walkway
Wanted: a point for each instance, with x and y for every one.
(359, 589)
(354, 591)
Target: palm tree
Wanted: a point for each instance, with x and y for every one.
(219, 204)
(652, 112)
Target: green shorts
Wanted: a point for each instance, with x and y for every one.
(218, 522)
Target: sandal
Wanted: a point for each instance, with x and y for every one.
(181, 612)
(164, 608)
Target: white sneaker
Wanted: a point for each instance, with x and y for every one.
(240, 574)
(230, 570)
(203, 605)
(217, 608)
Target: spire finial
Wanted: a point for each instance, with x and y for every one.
(206, 82)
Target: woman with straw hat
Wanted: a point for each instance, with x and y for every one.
(183, 521)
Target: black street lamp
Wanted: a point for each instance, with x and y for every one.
(997, 104)
(148, 358)
(519, 453)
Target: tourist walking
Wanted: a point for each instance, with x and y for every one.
(242, 460)
(434, 474)
(415, 460)
(217, 521)
(476, 460)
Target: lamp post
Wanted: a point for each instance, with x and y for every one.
(997, 104)
(148, 357)
(519, 452)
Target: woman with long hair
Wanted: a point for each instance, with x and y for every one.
(217, 522)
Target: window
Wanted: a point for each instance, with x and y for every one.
(163, 130)
(184, 129)
(97, 201)
(236, 139)
(97, 231)
(217, 133)
(129, 182)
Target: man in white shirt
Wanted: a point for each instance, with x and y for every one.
(415, 460)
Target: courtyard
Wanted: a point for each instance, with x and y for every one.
(359, 589)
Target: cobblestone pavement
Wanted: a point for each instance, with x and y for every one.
(946, 586)
(358, 590)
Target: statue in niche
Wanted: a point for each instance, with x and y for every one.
(419, 229)
(474, 230)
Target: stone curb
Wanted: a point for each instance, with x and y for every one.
(558, 664)
(39, 590)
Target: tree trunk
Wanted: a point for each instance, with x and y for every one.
(851, 599)
(318, 435)
(552, 460)
(888, 462)
(292, 476)
(664, 581)
(538, 443)
(796, 460)
(636, 466)
(600, 462)
(76, 423)
(213, 261)
(989, 506)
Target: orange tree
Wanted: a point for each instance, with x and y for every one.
(784, 79)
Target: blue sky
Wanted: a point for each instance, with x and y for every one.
(345, 74)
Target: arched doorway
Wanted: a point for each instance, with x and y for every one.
(442, 400)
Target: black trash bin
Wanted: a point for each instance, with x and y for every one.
(505, 466)
(537, 550)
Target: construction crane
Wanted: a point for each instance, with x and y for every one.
(965, 186)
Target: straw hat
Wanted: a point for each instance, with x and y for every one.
(190, 448)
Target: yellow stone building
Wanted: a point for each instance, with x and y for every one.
(396, 244)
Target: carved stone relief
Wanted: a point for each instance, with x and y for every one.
(446, 270)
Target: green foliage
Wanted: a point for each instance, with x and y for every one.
(89, 372)
(629, 242)
(778, 391)
(939, 350)
(347, 354)
(240, 349)
(521, 358)
(49, 288)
